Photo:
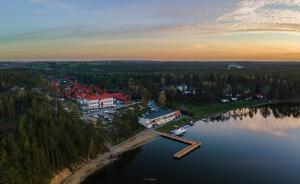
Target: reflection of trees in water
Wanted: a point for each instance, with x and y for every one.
(126, 158)
(122, 162)
(281, 110)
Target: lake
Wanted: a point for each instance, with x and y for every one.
(250, 145)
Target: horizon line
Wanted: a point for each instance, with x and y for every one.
(145, 60)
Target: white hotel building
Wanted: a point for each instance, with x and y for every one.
(89, 102)
(155, 119)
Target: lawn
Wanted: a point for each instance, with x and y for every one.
(175, 124)
(206, 110)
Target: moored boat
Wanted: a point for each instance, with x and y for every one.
(180, 131)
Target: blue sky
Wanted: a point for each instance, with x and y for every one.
(21, 16)
(149, 29)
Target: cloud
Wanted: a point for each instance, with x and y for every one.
(261, 15)
(251, 16)
(82, 31)
(244, 16)
(52, 3)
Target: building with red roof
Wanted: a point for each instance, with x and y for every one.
(121, 97)
(104, 100)
(93, 97)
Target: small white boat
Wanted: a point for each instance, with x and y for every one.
(180, 131)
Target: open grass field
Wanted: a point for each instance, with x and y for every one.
(206, 110)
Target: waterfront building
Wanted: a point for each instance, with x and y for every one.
(158, 118)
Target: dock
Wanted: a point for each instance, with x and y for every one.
(192, 144)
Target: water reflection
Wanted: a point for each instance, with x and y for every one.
(277, 120)
(250, 145)
(118, 166)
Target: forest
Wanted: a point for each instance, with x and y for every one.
(38, 137)
(211, 81)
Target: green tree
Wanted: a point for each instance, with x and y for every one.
(162, 99)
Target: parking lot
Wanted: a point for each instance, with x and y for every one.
(106, 114)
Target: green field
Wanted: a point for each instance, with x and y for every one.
(207, 110)
(175, 124)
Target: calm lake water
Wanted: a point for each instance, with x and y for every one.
(252, 145)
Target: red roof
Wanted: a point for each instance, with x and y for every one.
(93, 97)
(177, 113)
(85, 92)
(120, 96)
(105, 96)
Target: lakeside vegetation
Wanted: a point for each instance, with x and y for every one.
(205, 110)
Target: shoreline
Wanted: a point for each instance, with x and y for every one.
(252, 106)
(219, 113)
(91, 166)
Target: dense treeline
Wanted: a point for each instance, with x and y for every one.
(123, 67)
(126, 124)
(145, 80)
(209, 85)
(21, 78)
(39, 138)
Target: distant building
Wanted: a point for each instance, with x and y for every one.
(159, 118)
(234, 66)
(182, 87)
(91, 102)
(88, 102)
(224, 100)
(106, 100)
(120, 97)
(234, 99)
(259, 96)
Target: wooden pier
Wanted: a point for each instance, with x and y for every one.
(192, 144)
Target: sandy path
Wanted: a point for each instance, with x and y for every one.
(93, 165)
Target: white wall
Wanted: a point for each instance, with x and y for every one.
(108, 102)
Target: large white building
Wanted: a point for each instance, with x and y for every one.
(88, 104)
(106, 102)
(155, 119)
(91, 102)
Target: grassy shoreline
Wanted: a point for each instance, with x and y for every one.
(173, 125)
(200, 111)
(207, 110)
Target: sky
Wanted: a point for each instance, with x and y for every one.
(201, 30)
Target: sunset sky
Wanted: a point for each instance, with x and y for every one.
(264, 30)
